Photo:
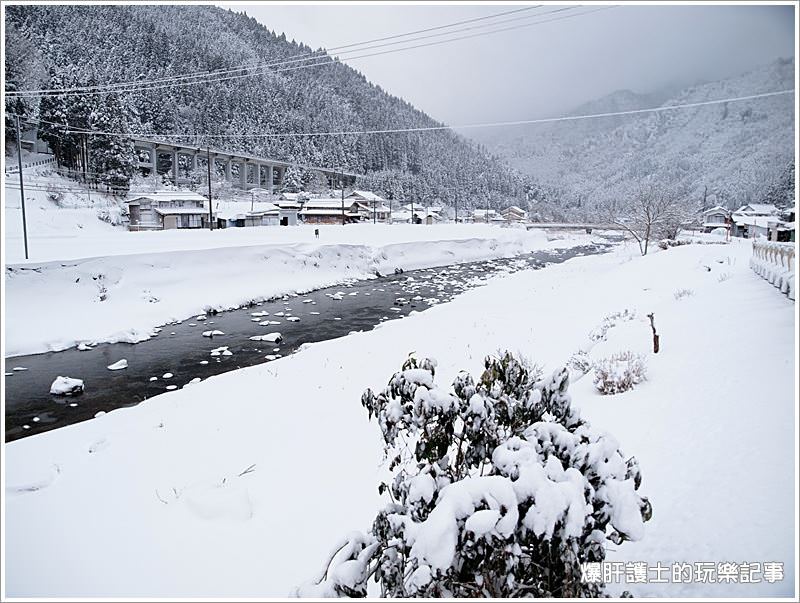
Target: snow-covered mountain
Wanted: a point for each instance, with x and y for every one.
(732, 151)
(71, 46)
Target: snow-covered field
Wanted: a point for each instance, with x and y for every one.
(240, 485)
(74, 230)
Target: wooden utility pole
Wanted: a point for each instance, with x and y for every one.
(85, 165)
(341, 183)
(210, 214)
(22, 188)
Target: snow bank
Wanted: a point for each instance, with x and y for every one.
(122, 298)
(158, 510)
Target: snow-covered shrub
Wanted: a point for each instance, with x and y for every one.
(619, 373)
(609, 322)
(580, 362)
(667, 243)
(112, 215)
(724, 277)
(55, 196)
(498, 489)
(681, 293)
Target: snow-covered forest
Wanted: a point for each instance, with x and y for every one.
(67, 46)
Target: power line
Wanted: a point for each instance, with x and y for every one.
(454, 127)
(326, 60)
(290, 59)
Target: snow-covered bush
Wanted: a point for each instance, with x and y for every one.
(609, 322)
(55, 196)
(667, 243)
(498, 489)
(580, 362)
(681, 293)
(619, 373)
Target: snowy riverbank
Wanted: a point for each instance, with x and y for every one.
(156, 500)
(59, 304)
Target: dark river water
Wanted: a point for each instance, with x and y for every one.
(181, 350)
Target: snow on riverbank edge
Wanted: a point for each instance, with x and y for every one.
(158, 503)
(57, 305)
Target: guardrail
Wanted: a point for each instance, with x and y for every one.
(13, 169)
(776, 263)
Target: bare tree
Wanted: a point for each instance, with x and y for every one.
(653, 212)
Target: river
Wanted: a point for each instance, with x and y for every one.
(180, 353)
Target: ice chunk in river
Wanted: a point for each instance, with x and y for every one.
(66, 386)
(275, 337)
(119, 364)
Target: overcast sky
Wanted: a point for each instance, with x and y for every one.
(545, 69)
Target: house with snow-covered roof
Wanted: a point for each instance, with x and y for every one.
(330, 211)
(758, 209)
(752, 220)
(514, 214)
(249, 213)
(715, 217)
(167, 210)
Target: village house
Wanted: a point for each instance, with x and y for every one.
(167, 210)
(372, 207)
(487, 215)
(752, 220)
(781, 229)
(715, 217)
(421, 214)
(254, 213)
(514, 214)
(330, 211)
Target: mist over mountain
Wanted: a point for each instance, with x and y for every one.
(730, 153)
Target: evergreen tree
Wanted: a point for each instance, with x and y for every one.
(498, 489)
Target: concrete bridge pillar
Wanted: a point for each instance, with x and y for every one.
(228, 170)
(243, 175)
(270, 181)
(175, 167)
(153, 159)
(194, 162)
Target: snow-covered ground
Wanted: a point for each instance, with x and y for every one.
(88, 281)
(240, 485)
(59, 304)
(75, 231)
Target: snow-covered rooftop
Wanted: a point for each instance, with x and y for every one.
(327, 212)
(233, 210)
(171, 211)
(762, 209)
(328, 203)
(367, 195)
(166, 196)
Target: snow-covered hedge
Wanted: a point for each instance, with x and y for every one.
(619, 373)
(498, 489)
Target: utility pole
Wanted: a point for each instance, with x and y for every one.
(210, 214)
(455, 206)
(85, 164)
(22, 188)
(341, 182)
(374, 211)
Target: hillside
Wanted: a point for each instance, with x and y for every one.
(736, 150)
(64, 46)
